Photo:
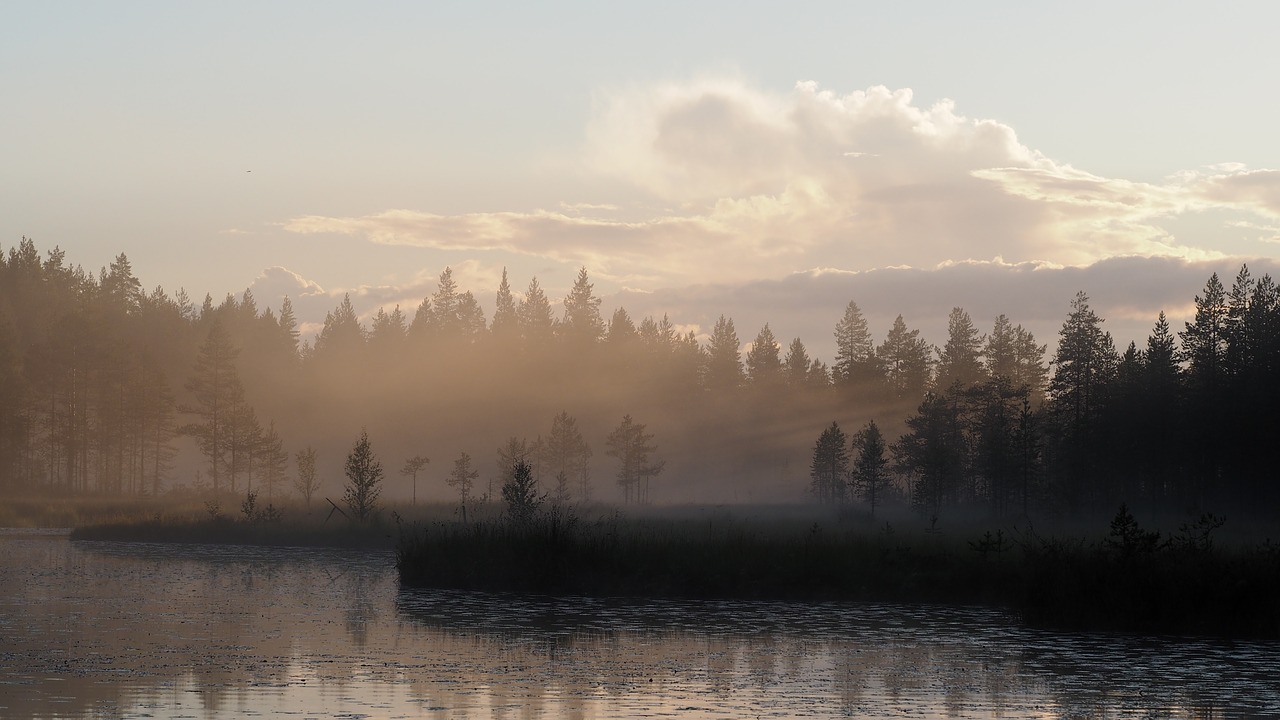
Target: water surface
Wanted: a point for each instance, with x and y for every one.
(101, 629)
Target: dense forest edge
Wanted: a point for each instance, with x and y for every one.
(112, 394)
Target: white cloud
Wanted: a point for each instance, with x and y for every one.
(762, 184)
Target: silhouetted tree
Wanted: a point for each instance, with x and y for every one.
(622, 331)
(632, 447)
(829, 467)
(515, 451)
(1084, 364)
(520, 493)
(388, 335)
(870, 476)
(907, 359)
(764, 364)
(565, 453)
(856, 366)
(796, 365)
(342, 336)
(506, 321)
(215, 386)
(411, 468)
(537, 325)
(723, 361)
(582, 324)
(960, 359)
(933, 453)
(364, 479)
(306, 482)
(1029, 446)
(1011, 352)
(275, 461)
(462, 480)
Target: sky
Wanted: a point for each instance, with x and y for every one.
(742, 158)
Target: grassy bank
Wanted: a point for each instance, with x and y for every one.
(71, 511)
(1127, 580)
(226, 531)
(317, 525)
(1119, 578)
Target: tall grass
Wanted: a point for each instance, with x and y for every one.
(1157, 587)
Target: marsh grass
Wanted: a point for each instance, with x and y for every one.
(1128, 579)
(1145, 584)
(247, 520)
(695, 558)
(71, 511)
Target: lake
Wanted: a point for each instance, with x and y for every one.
(105, 629)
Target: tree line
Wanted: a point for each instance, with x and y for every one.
(1182, 424)
(102, 385)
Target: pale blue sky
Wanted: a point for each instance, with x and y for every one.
(130, 126)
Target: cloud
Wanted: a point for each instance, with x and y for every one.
(758, 184)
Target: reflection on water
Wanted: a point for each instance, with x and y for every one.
(120, 629)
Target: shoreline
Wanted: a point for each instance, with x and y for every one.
(1054, 583)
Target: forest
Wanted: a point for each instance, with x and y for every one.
(108, 389)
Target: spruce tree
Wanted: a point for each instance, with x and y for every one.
(364, 479)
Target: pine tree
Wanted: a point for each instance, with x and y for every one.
(582, 325)
(275, 461)
(411, 468)
(306, 482)
(565, 452)
(445, 319)
(514, 451)
(856, 366)
(829, 467)
(388, 334)
(1084, 363)
(462, 479)
(342, 336)
(1012, 353)
(764, 366)
(471, 324)
(1084, 366)
(723, 361)
(622, 331)
(1204, 342)
(907, 359)
(215, 385)
(506, 322)
(959, 360)
(537, 326)
(870, 476)
(797, 365)
(933, 452)
(633, 447)
(288, 327)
